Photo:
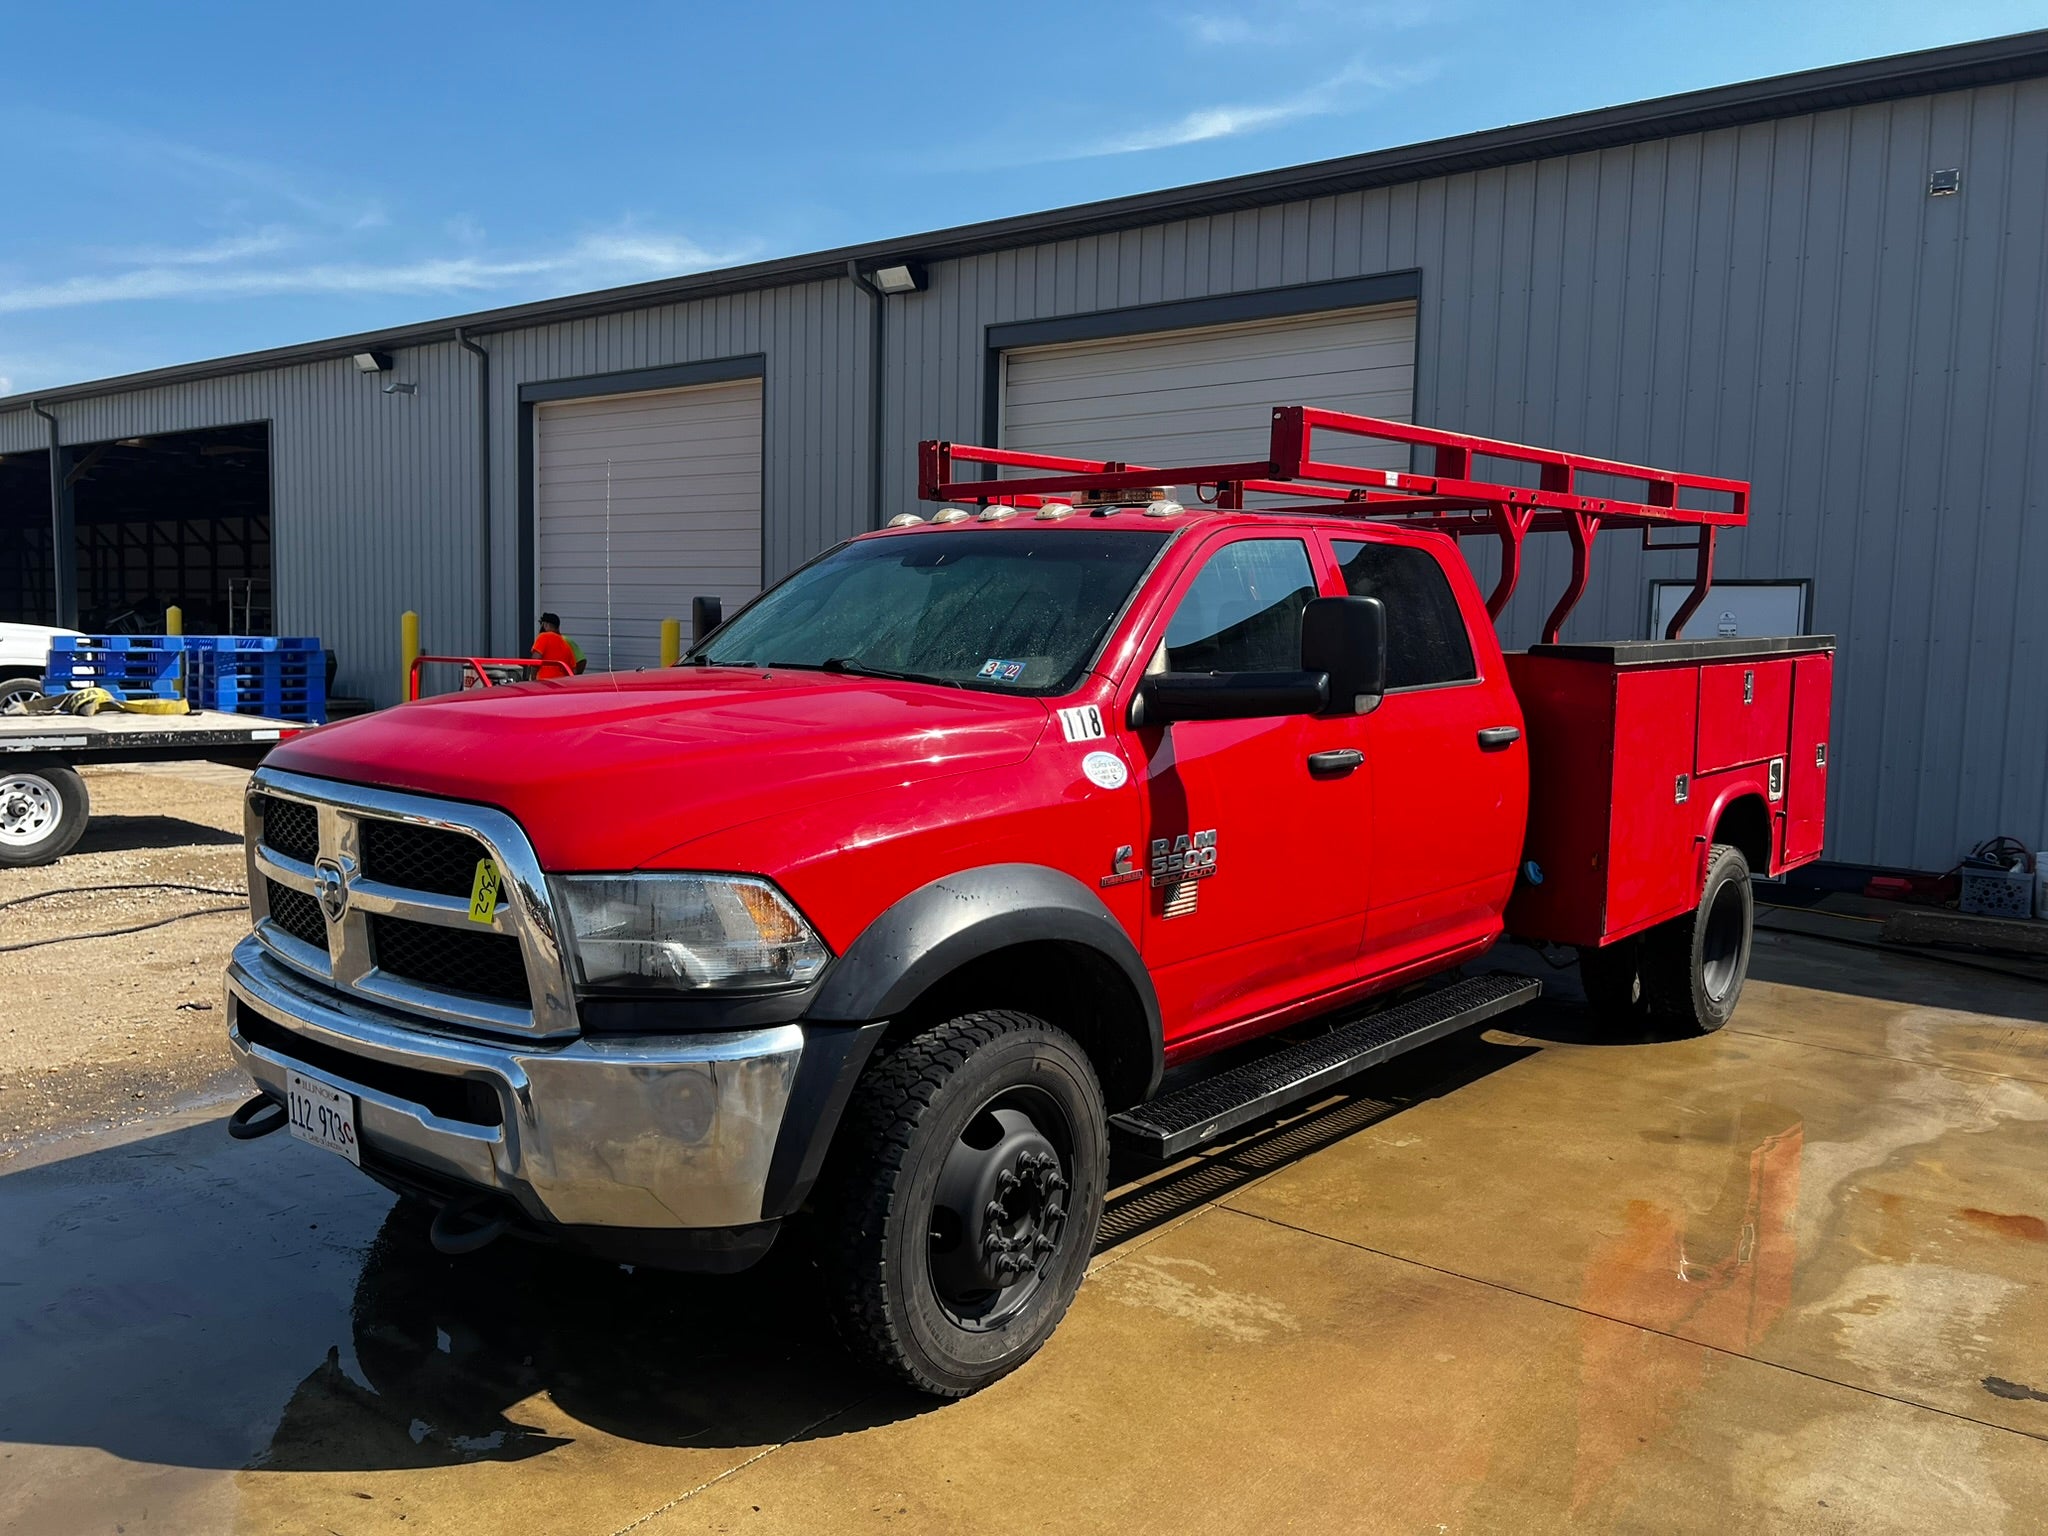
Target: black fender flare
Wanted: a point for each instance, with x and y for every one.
(918, 941)
(957, 918)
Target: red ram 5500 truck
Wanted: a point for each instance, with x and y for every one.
(900, 896)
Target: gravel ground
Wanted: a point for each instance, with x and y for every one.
(98, 1031)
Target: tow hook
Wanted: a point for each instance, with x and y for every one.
(451, 1235)
(259, 1117)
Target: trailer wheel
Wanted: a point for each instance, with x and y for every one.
(1613, 979)
(961, 1205)
(1694, 966)
(42, 814)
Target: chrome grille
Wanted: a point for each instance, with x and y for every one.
(400, 869)
(487, 964)
(291, 827)
(422, 858)
(296, 913)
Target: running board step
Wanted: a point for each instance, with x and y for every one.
(1203, 1111)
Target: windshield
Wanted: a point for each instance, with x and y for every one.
(1014, 610)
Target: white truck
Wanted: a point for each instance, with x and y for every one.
(24, 657)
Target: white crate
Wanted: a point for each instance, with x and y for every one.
(1998, 892)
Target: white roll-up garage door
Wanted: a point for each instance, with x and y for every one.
(642, 503)
(1205, 396)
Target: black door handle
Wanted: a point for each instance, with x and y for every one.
(1342, 760)
(1499, 736)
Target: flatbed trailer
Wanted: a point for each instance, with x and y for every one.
(44, 807)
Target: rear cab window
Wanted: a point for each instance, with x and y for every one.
(1428, 645)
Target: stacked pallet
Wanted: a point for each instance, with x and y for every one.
(277, 677)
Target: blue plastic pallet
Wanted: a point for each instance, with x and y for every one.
(127, 666)
(282, 677)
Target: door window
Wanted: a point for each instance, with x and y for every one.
(1426, 639)
(1243, 611)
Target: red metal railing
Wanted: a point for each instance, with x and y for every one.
(1450, 499)
(478, 677)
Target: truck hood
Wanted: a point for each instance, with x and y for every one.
(609, 771)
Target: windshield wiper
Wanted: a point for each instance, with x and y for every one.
(853, 666)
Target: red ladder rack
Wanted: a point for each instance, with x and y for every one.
(1449, 500)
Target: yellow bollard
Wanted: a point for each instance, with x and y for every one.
(408, 648)
(174, 624)
(671, 641)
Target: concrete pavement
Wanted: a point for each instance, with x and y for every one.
(1792, 1276)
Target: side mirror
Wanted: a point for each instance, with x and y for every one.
(1228, 696)
(1346, 637)
(706, 614)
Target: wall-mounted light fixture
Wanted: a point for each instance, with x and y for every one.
(395, 387)
(902, 277)
(373, 362)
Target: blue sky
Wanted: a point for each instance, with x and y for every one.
(202, 179)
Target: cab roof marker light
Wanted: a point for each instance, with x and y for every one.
(951, 515)
(1164, 508)
(1053, 511)
(997, 513)
(905, 520)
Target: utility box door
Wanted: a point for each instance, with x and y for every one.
(1806, 788)
(1745, 711)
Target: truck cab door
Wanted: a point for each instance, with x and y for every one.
(1255, 893)
(1450, 767)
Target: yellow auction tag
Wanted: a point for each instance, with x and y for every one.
(483, 895)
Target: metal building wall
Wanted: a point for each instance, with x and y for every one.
(373, 496)
(1781, 301)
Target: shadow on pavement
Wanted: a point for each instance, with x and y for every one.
(187, 1301)
(129, 834)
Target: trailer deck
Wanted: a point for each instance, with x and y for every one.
(44, 806)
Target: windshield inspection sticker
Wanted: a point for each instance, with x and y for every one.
(1002, 671)
(1082, 724)
(1105, 770)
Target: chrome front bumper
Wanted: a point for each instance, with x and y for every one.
(676, 1133)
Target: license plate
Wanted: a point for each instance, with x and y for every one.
(324, 1116)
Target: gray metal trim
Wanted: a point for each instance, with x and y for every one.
(1214, 309)
(641, 381)
(1990, 62)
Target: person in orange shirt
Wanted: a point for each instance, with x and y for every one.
(552, 645)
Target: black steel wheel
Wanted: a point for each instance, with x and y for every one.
(962, 1199)
(1694, 966)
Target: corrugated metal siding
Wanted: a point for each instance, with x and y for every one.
(1781, 301)
(373, 496)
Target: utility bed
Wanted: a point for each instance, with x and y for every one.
(1635, 748)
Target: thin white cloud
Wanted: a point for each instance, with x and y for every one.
(1336, 93)
(597, 260)
(6, 385)
(1279, 23)
(262, 242)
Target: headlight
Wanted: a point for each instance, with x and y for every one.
(686, 933)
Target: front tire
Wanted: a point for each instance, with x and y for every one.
(963, 1200)
(19, 688)
(43, 812)
(1694, 966)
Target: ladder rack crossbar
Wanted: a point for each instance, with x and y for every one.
(1450, 499)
